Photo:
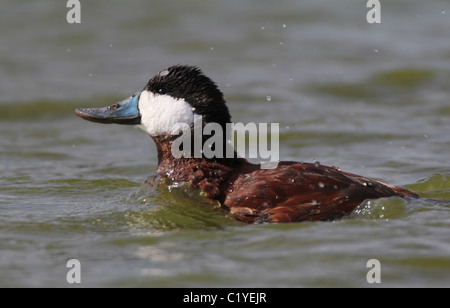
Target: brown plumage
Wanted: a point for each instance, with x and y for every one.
(291, 192)
(300, 192)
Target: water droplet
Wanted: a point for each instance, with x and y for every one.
(164, 73)
(284, 26)
(375, 50)
(281, 43)
(212, 48)
(90, 75)
(316, 163)
(68, 50)
(321, 185)
(110, 45)
(443, 11)
(262, 27)
(269, 98)
(314, 202)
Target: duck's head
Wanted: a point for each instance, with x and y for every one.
(174, 96)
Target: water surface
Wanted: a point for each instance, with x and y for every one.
(370, 99)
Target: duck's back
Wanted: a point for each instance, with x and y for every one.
(300, 192)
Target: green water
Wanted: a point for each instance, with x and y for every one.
(370, 99)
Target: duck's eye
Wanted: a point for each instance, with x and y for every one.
(115, 106)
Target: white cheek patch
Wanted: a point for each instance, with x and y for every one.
(162, 114)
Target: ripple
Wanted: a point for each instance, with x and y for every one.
(435, 186)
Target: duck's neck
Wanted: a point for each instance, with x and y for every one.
(210, 175)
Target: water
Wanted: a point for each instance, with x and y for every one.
(369, 99)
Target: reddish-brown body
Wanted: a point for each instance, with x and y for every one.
(289, 193)
(300, 192)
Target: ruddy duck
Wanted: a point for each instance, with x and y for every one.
(290, 192)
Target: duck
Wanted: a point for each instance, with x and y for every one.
(289, 192)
